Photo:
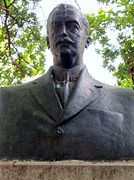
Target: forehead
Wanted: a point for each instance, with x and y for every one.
(65, 14)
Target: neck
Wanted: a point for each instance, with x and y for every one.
(67, 62)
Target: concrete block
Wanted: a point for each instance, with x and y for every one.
(66, 170)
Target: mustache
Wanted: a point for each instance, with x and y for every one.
(64, 40)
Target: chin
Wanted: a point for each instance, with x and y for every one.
(65, 50)
(67, 63)
(68, 52)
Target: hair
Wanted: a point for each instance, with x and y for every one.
(69, 6)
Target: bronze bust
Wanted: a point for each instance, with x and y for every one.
(66, 114)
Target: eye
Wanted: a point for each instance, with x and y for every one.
(57, 26)
(73, 27)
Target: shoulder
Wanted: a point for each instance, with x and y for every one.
(24, 86)
(22, 90)
(119, 91)
(120, 95)
(19, 90)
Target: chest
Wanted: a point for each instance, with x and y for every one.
(90, 134)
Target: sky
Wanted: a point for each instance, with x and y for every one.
(92, 60)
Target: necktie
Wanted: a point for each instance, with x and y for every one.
(66, 88)
(65, 80)
(63, 89)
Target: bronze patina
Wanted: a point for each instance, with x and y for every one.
(66, 114)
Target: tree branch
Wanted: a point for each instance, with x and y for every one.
(77, 4)
(20, 25)
(4, 8)
(11, 4)
(7, 29)
(5, 3)
(132, 72)
(20, 58)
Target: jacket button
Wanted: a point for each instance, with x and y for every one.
(59, 131)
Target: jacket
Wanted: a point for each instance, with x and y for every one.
(97, 122)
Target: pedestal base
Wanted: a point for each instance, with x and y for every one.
(66, 170)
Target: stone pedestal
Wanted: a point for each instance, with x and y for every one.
(66, 170)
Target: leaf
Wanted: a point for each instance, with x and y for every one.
(22, 44)
(118, 21)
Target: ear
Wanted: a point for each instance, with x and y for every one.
(48, 45)
(87, 42)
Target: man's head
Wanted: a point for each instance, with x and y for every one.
(67, 32)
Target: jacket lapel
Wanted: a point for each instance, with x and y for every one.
(86, 91)
(45, 95)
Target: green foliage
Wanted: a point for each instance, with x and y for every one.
(22, 45)
(115, 21)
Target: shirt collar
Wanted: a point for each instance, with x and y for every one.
(62, 74)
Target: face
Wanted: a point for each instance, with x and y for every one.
(67, 36)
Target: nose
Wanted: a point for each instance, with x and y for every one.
(64, 31)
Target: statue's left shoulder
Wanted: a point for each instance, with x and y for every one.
(120, 91)
(125, 92)
(125, 97)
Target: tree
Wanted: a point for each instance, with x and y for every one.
(22, 44)
(117, 18)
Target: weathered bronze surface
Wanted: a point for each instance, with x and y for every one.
(66, 114)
